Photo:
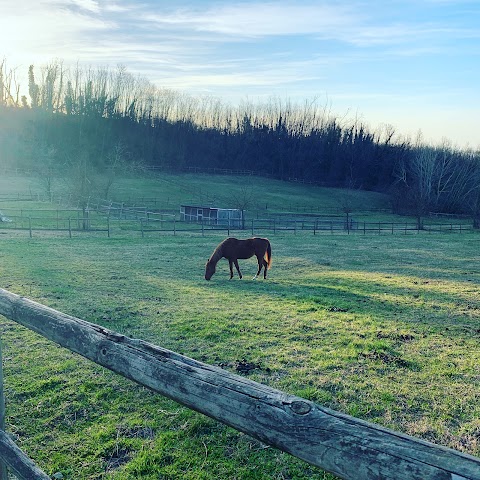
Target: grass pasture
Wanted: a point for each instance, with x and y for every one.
(385, 328)
(168, 191)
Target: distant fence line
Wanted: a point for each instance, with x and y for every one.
(61, 198)
(255, 226)
(143, 222)
(134, 206)
(146, 202)
(54, 224)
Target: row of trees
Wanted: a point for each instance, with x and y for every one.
(98, 120)
(439, 179)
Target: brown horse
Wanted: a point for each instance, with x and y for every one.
(232, 249)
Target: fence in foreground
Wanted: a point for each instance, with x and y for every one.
(348, 447)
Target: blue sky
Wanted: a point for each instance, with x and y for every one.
(413, 64)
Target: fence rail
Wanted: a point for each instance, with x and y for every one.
(55, 224)
(115, 217)
(348, 447)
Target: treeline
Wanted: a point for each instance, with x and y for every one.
(89, 121)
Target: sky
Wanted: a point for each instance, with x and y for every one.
(410, 64)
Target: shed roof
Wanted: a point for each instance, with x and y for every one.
(209, 207)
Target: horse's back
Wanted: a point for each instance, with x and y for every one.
(234, 248)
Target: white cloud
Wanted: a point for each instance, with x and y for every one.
(259, 19)
(89, 5)
(256, 48)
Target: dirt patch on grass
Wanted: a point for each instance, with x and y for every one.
(243, 367)
(386, 358)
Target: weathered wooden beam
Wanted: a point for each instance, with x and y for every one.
(22, 466)
(3, 465)
(348, 447)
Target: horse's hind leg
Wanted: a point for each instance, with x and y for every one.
(265, 268)
(238, 268)
(260, 265)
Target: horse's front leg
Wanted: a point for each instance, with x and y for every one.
(238, 268)
(230, 264)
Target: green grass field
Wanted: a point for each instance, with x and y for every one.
(385, 328)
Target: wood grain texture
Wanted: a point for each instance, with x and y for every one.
(18, 462)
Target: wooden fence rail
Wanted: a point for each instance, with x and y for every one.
(348, 447)
(22, 466)
(167, 223)
(56, 224)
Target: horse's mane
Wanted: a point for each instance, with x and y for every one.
(217, 254)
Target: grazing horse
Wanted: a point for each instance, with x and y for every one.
(232, 249)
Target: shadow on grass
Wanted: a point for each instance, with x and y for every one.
(417, 304)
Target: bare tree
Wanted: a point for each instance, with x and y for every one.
(80, 183)
(116, 163)
(243, 199)
(472, 189)
(427, 175)
(45, 168)
(347, 207)
(9, 87)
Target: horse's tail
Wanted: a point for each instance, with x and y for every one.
(268, 255)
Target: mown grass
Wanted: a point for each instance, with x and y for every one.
(385, 328)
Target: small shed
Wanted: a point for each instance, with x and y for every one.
(228, 217)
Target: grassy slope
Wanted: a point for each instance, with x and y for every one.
(261, 192)
(259, 196)
(385, 328)
(172, 190)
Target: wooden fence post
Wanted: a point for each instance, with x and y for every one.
(3, 466)
(30, 225)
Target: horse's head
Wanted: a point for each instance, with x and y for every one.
(209, 270)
